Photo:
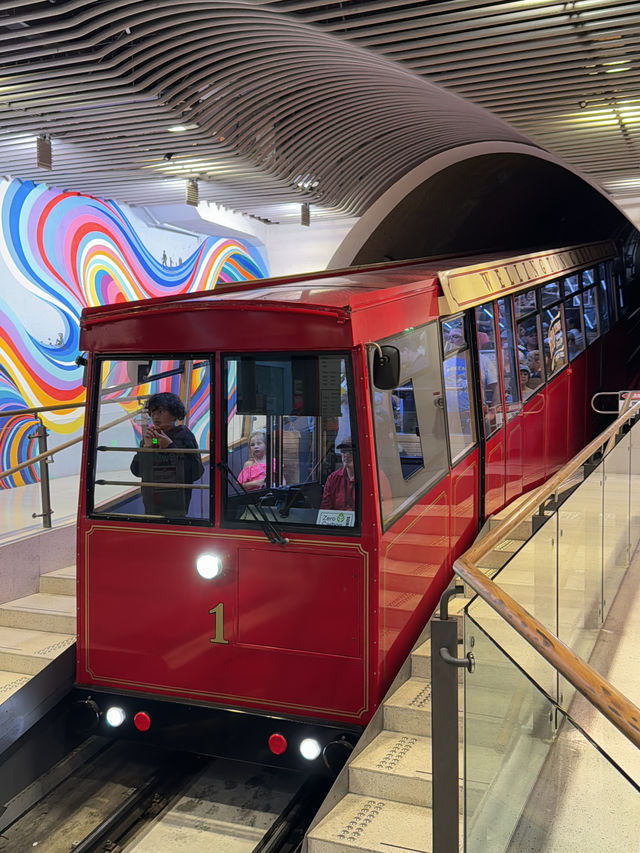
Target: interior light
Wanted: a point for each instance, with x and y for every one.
(310, 749)
(208, 566)
(115, 716)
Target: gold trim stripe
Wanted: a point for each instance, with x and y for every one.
(466, 287)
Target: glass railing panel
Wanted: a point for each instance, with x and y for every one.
(615, 542)
(507, 730)
(527, 784)
(530, 578)
(580, 527)
(581, 800)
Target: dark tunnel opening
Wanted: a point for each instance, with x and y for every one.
(494, 203)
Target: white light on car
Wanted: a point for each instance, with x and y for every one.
(208, 566)
(310, 749)
(115, 716)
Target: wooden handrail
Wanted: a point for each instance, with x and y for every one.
(615, 706)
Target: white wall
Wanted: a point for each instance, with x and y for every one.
(288, 249)
(296, 248)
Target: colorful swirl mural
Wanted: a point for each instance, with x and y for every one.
(68, 251)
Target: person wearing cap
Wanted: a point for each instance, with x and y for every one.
(340, 489)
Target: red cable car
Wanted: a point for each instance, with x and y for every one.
(279, 475)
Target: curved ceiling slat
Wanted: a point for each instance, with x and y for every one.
(295, 101)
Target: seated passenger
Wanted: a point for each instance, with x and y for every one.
(535, 368)
(165, 468)
(254, 472)
(339, 490)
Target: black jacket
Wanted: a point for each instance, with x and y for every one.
(163, 467)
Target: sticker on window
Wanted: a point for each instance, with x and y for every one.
(337, 517)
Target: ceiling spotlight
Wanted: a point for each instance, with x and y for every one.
(43, 153)
(191, 193)
(582, 104)
(180, 128)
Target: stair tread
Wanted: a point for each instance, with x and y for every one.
(374, 825)
(24, 641)
(42, 602)
(11, 682)
(66, 572)
(423, 650)
(396, 753)
(414, 693)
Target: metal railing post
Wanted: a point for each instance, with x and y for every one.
(444, 727)
(45, 490)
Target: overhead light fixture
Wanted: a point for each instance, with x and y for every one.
(43, 153)
(305, 214)
(180, 128)
(191, 194)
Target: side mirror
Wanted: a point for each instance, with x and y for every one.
(81, 361)
(143, 371)
(386, 367)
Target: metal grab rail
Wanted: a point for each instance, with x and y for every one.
(44, 454)
(10, 413)
(62, 446)
(613, 704)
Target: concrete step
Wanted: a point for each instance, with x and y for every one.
(394, 767)
(421, 661)
(372, 825)
(60, 582)
(500, 555)
(408, 709)
(10, 682)
(522, 531)
(41, 612)
(27, 651)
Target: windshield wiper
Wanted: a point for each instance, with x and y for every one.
(270, 530)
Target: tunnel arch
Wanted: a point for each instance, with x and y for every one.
(488, 197)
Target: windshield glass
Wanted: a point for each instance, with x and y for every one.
(290, 441)
(152, 439)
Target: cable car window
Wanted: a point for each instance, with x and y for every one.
(488, 360)
(588, 277)
(571, 284)
(510, 373)
(290, 442)
(550, 293)
(574, 323)
(590, 309)
(529, 348)
(409, 425)
(555, 352)
(405, 421)
(604, 302)
(621, 299)
(524, 303)
(152, 440)
(457, 381)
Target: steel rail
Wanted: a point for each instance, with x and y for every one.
(611, 702)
